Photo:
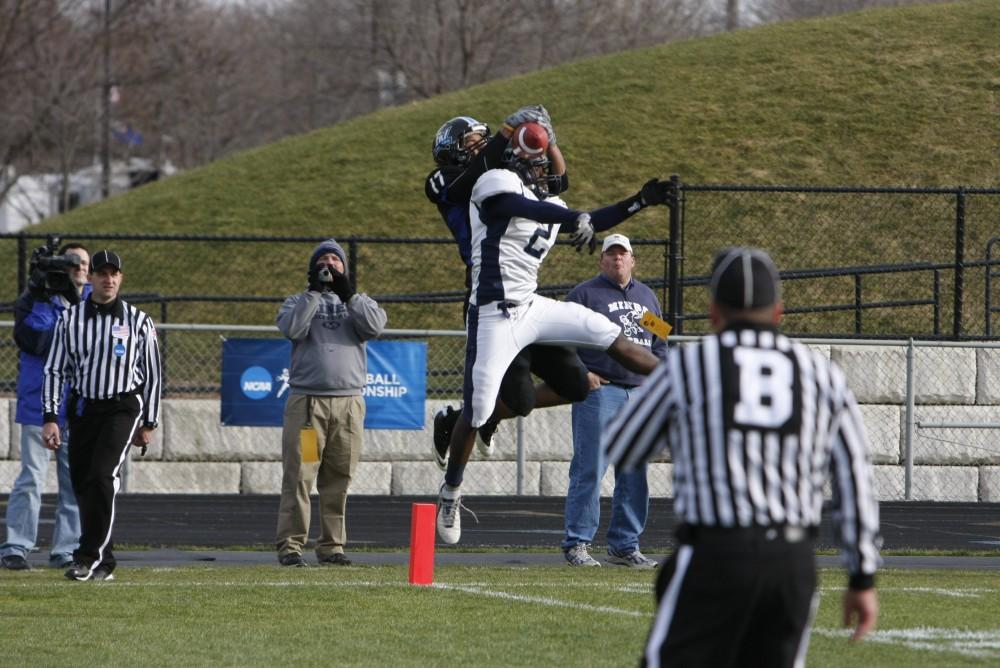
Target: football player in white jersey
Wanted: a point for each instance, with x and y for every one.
(464, 150)
(514, 224)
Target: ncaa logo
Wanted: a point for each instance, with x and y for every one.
(256, 382)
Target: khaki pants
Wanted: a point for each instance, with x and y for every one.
(339, 424)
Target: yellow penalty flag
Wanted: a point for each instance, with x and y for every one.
(658, 326)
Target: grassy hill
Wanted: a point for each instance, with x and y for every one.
(905, 96)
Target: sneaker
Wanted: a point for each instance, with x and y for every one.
(444, 424)
(15, 562)
(78, 572)
(449, 519)
(578, 556)
(633, 559)
(102, 573)
(335, 559)
(484, 437)
(292, 559)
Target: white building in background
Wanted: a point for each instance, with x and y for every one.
(35, 197)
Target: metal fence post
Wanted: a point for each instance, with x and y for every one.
(521, 455)
(675, 302)
(959, 260)
(908, 437)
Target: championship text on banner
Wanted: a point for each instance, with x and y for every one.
(397, 385)
(255, 383)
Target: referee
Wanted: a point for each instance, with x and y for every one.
(756, 423)
(107, 350)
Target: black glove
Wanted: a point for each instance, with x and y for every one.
(654, 192)
(315, 284)
(36, 284)
(71, 295)
(341, 286)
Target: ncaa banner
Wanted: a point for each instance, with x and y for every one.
(254, 381)
(397, 385)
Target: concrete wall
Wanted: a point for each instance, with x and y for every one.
(192, 453)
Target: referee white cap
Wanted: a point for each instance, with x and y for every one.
(744, 278)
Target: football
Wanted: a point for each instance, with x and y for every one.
(530, 140)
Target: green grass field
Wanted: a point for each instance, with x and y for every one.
(364, 616)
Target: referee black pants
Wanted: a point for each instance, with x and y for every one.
(734, 597)
(99, 436)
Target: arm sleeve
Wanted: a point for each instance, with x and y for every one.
(608, 216)
(296, 314)
(504, 206)
(639, 431)
(367, 316)
(54, 372)
(855, 510)
(34, 322)
(152, 389)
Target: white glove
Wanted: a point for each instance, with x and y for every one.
(533, 113)
(584, 235)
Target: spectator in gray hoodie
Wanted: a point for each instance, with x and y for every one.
(328, 325)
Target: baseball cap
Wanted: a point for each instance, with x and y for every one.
(744, 278)
(104, 258)
(616, 240)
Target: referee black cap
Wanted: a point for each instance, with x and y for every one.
(744, 278)
(105, 258)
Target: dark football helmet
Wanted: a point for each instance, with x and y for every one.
(527, 155)
(451, 144)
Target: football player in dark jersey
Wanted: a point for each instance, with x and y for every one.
(464, 149)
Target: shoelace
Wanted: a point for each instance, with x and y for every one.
(452, 508)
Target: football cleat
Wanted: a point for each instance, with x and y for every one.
(449, 520)
(484, 437)
(444, 424)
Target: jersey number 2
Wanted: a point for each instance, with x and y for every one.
(766, 386)
(541, 232)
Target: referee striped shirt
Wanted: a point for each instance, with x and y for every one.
(756, 423)
(103, 350)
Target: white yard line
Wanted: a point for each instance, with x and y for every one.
(978, 644)
(965, 592)
(542, 600)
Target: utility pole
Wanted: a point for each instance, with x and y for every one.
(106, 106)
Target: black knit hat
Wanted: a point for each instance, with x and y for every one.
(744, 278)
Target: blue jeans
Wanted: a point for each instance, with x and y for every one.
(25, 501)
(630, 502)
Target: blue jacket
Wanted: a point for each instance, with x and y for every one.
(34, 323)
(625, 308)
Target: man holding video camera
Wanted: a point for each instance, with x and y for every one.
(57, 281)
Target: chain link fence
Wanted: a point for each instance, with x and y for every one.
(929, 277)
(932, 411)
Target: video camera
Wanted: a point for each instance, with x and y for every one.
(48, 271)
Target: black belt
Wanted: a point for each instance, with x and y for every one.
(623, 386)
(113, 399)
(787, 533)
